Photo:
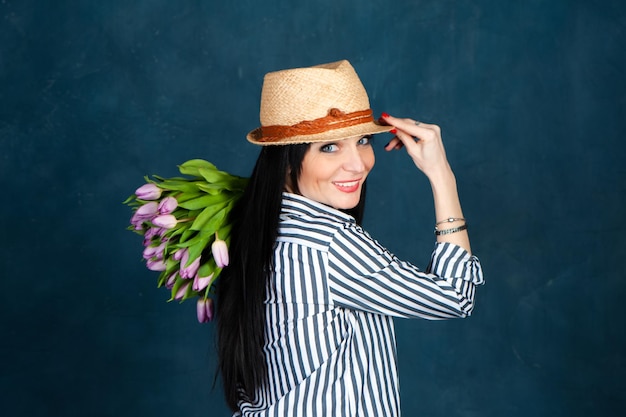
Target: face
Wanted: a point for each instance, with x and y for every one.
(333, 172)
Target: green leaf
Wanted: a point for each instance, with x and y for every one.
(224, 231)
(186, 235)
(196, 250)
(179, 283)
(204, 202)
(180, 229)
(207, 214)
(129, 199)
(237, 184)
(193, 166)
(212, 189)
(213, 175)
(191, 242)
(170, 266)
(211, 267)
(186, 196)
(206, 269)
(215, 222)
(186, 186)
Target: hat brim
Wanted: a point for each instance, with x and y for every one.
(369, 128)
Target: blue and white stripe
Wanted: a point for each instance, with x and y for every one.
(330, 341)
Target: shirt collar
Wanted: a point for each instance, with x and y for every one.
(300, 205)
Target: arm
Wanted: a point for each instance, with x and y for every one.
(363, 275)
(424, 145)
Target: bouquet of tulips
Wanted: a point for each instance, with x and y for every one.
(186, 230)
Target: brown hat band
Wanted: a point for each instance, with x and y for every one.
(336, 119)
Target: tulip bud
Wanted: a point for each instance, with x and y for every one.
(220, 252)
(180, 294)
(204, 310)
(155, 252)
(167, 205)
(179, 254)
(150, 233)
(159, 251)
(148, 252)
(144, 213)
(169, 284)
(148, 192)
(200, 283)
(156, 265)
(189, 271)
(166, 221)
(148, 209)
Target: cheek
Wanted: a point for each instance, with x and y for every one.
(313, 173)
(369, 159)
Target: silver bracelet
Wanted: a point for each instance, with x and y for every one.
(453, 230)
(449, 220)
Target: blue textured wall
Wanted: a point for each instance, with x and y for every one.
(531, 96)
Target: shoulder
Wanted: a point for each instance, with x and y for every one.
(309, 223)
(352, 238)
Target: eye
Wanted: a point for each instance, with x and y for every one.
(329, 147)
(365, 140)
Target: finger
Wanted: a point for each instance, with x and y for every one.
(413, 127)
(407, 139)
(394, 143)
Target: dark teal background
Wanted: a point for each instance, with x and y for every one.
(531, 97)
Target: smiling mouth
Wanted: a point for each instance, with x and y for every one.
(348, 186)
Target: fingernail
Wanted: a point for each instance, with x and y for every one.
(384, 115)
(393, 131)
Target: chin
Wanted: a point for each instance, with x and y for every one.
(347, 203)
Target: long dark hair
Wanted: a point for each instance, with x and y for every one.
(242, 288)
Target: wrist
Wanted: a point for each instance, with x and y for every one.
(442, 177)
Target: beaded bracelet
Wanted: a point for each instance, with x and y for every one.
(449, 220)
(452, 230)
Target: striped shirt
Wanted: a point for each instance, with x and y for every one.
(330, 341)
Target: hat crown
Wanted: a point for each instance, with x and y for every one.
(292, 96)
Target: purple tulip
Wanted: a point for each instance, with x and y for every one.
(178, 255)
(150, 234)
(154, 252)
(159, 253)
(204, 310)
(169, 284)
(189, 271)
(144, 213)
(148, 252)
(200, 283)
(167, 205)
(166, 221)
(180, 294)
(220, 252)
(148, 192)
(148, 209)
(156, 265)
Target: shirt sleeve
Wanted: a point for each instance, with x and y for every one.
(363, 275)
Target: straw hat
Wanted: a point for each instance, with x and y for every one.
(316, 104)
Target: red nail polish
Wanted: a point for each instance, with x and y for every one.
(384, 115)
(393, 131)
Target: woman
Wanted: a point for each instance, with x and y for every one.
(305, 309)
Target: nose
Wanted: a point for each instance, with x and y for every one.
(354, 160)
